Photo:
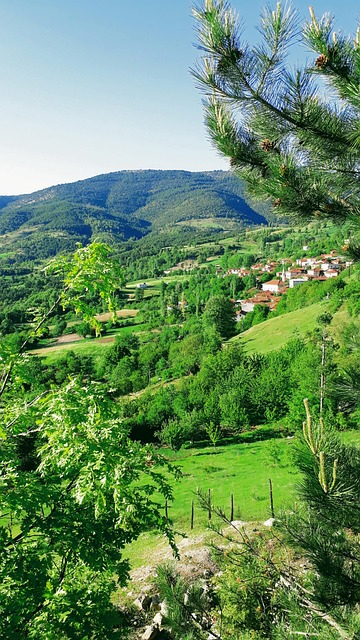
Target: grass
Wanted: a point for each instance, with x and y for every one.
(154, 283)
(241, 469)
(351, 437)
(87, 346)
(340, 319)
(276, 332)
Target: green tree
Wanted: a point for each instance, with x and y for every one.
(295, 144)
(175, 433)
(220, 313)
(75, 489)
(326, 529)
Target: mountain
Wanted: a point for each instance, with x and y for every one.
(118, 206)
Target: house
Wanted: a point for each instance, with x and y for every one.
(317, 278)
(273, 285)
(304, 262)
(240, 315)
(266, 299)
(294, 273)
(314, 271)
(142, 285)
(325, 265)
(293, 282)
(241, 272)
(247, 305)
(331, 273)
(271, 266)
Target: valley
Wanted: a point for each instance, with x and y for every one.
(207, 347)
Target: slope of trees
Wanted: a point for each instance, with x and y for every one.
(119, 206)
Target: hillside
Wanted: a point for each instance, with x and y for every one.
(118, 206)
(276, 332)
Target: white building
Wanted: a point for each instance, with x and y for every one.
(293, 282)
(273, 285)
(247, 306)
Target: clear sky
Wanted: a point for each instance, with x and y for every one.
(92, 86)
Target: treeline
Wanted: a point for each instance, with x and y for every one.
(232, 392)
(219, 391)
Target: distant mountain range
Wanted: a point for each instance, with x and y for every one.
(121, 205)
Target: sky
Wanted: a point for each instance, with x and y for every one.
(93, 86)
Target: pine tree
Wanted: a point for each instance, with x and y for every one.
(294, 136)
(326, 528)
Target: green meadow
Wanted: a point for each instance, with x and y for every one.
(243, 470)
(276, 332)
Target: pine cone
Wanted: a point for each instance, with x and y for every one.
(267, 145)
(321, 61)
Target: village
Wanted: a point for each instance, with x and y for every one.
(289, 274)
(268, 291)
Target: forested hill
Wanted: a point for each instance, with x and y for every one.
(121, 205)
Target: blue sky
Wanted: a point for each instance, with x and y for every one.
(92, 86)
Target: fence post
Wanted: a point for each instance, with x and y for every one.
(166, 510)
(231, 507)
(209, 504)
(192, 515)
(271, 499)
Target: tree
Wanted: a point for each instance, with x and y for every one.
(75, 489)
(175, 433)
(220, 313)
(295, 144)
(327, 529)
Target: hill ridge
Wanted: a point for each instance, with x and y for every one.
(124, 204)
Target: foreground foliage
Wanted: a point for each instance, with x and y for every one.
(293, 143)
(75, 489)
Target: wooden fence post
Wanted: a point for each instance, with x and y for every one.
(192, 515)
(209, 504)
(271, 499)
(231, 507)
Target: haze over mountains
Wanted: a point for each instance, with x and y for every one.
(122, 205)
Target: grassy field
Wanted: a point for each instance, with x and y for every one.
(154, 283)
(241, 469)
(276, 332)
(340, 319)
(87, 346)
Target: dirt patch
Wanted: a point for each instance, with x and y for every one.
(106, 339)
(70, 337)
(58, 343)
(194, 560)
(121, 313)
